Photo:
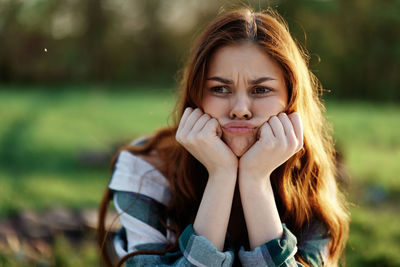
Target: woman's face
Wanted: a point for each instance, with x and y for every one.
(244, 87)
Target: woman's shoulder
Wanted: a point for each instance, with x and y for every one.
(140, 174)
(313, 242)
(152, 159)
(314, 230)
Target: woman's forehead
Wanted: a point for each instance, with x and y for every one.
(244, 59)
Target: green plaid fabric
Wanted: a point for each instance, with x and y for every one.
(196, 250)
(277, 252)
(142, 208)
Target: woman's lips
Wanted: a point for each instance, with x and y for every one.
(239, 128)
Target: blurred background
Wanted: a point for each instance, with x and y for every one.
(79, 78)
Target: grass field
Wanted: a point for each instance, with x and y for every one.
(43, 135)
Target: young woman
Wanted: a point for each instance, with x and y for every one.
(246, 176)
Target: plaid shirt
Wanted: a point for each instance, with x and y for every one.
(142, 229)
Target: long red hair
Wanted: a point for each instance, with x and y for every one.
(305, 185)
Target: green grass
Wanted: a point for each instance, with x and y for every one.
(43, 133)
(64, 254)
(369, 137)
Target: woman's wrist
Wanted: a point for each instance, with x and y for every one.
(260, 211)
(248, 181)
(253, 176)
(222, 172)
(213, 215)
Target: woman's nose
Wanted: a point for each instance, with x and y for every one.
(241, 108)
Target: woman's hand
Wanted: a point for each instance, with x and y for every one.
(201, 136)
(279, 139)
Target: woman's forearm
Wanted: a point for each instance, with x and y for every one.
(260, 210)
(213, 215)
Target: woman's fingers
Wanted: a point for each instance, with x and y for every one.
(194, 122)
(286, 123)
(288, 129)
(182, 122)
(291, 138)
(298, 128)
(266, 132)
(191, 121)
(280, 138)
(185, 115)
(198, 126)
(277, 127)
(212, 125)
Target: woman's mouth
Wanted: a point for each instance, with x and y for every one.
(239, 128)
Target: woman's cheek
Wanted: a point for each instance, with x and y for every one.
(214, 106)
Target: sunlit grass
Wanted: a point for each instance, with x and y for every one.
(44, 133)
(369, 137)
(374, 237)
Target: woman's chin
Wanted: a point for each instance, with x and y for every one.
(239, 151)
(239, 144)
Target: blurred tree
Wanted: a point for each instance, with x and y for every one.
(354, 45)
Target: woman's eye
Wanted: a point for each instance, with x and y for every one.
(261, 90)
(219, 90)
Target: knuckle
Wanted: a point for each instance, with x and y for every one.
(277, 142)
(190, 139)
(197, 111)
(293, 146)
(292, 141)
(285, 145)
(212, 122)
(268, 145)
(201, 136)
(195, 139)
(273, 119)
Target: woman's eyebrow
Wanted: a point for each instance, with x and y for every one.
(219, 79)
(260, 80)
(252, 81)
